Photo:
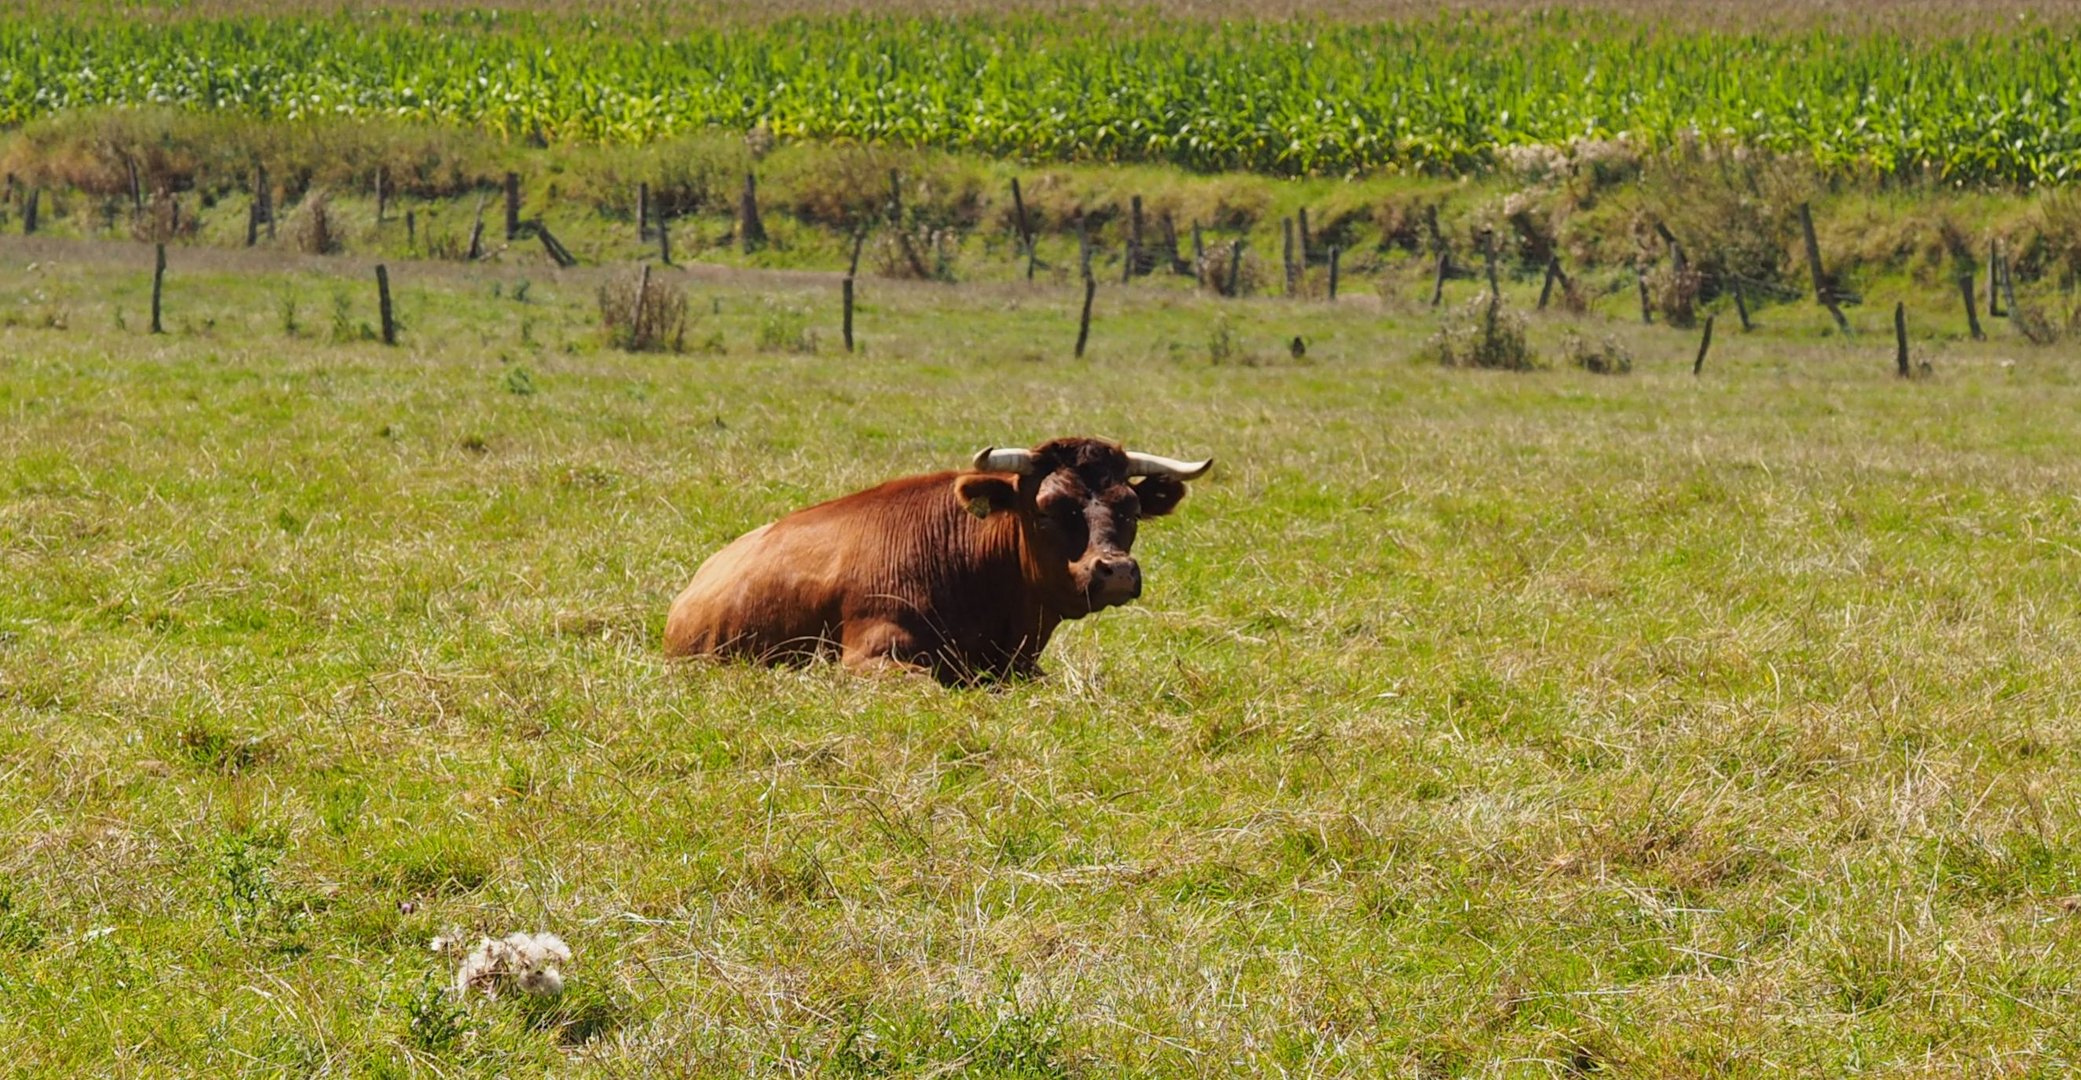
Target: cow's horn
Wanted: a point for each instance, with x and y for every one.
(991, 459)
(1152, 465)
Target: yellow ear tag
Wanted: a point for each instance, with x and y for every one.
(979, 506)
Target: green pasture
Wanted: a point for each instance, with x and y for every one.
(1472, 724)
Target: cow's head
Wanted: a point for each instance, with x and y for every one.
(1079, 501)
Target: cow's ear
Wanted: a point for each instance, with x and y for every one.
(984, 494)
(1159, 494)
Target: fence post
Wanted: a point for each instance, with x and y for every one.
(263, 193)
(642, 213)
(1292, 278)
(252, 223)
(1813, 253)
(412, 230)
(1900, 337)
(2008, 285)
(1994, 280)
(1019, 218)
(1488, 258)
(556, 250)
(1972, 314)
(1647, 311)
(383, 304)
(1704, 343)
(137, 190)
(382, 194)
(1084, 322)
(477, 233)
(664, 237)
(1444, 268)
(636, 314)
(1305, 245)
(846, 290)
(751, 232)
(1741, 308)
(512, 205)
(1336, 255)
(29, 211)
(158, 282)
(1235, 265)
(1134, 240)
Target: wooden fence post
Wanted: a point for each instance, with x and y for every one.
(1084, 322)
(643, 213)
(636, 315)
(1444, 268)
(264, 194)
(512, 205)
(664, 237)
(1305, 245)
(1823, 295)
(412, 230)
(1647, 311)
(1292, 275)
(1900, 336)
(1488, 258)
(1170, 244)
(2008, 285)
(1994, 280)
(1704, 343)
(382, 195)
(1134, 239)
(1336, 255)
(1813, 253)
(137, 190)
(1019, 220)
(845, 288)
(1741, 308)
(751, 232)
(556, 249)
(383, 304)
(252, 222)
(158, 282)
(477, 233)
(1235, 265)
(30, 209)
(1972, 314)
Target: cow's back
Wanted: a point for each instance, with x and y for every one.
(902, 551)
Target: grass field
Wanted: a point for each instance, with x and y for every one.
(1473, 723)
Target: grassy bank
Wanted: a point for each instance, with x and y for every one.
(1601, 209)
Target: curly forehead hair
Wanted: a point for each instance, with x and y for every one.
(1084, 455)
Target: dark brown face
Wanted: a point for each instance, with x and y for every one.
(1083, 510)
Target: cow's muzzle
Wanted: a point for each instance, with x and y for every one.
(1115, 579)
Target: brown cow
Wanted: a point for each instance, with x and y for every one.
(964, 575)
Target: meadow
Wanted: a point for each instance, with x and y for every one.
(1474, 723)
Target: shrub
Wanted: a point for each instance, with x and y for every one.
(317, 231)
(1674, 292)
(657, 322)
(785, 329)
(1603, 356)
(1482, 334)
(1214, 265)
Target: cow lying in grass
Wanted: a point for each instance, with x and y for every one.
(963, 575)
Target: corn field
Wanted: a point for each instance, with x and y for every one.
(1279, 98)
